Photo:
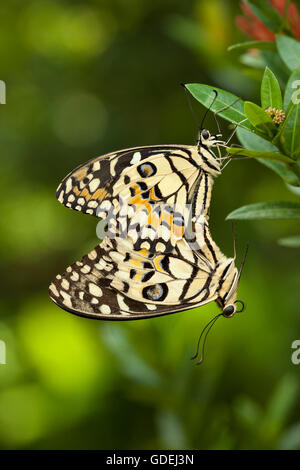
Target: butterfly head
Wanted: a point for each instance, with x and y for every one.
(208, 160)
(231, 308)
(227, 293)
(206, 139)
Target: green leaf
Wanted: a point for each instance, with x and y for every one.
(270, 91)
(290, 242)
(275, 63)
(292, 90)
(205, 95)
(253, 61)
(255, 142)
(281, 403)
(261, 45)
(288, 135)
(290, 440)
(267, 210)
(259, 119)
(294, 189)
(289, 50)
(283, 171)
(275, 156)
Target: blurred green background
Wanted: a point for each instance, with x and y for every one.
(85, 78)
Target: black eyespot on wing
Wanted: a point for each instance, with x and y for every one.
(147, 169)
(156, 292)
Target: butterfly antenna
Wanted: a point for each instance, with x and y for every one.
(236, 126)
(208, 109)
(190, 105)
(205, 330)
(218, 124)
(234, 239)
(243, 263)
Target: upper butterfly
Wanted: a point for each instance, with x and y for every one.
(143, 191)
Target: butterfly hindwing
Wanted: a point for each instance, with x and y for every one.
(116, 282)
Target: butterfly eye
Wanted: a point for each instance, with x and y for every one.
(228, 311)
(205, 134)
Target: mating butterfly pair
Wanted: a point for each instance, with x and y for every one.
(149, 262)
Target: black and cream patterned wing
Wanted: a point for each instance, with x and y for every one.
(114, 282)
(142, 192)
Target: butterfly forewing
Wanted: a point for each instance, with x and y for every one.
(142, 191)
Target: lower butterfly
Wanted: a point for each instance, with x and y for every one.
(116, 282)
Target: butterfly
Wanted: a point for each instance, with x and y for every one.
(143, 191)
(116, 282)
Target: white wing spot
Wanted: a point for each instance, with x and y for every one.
(160, 247)
(65, 284)
(95, 290)
(94, 185)
(151, 306)
(93, 254)
(122, 304)
(136, 158)
(61, 196)
(93, 203)
(105, 309)
(67, 298)
(85, 269)
(74, 276)
(68, 185)
(99, 266)
(96, 166)
(54, 290)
